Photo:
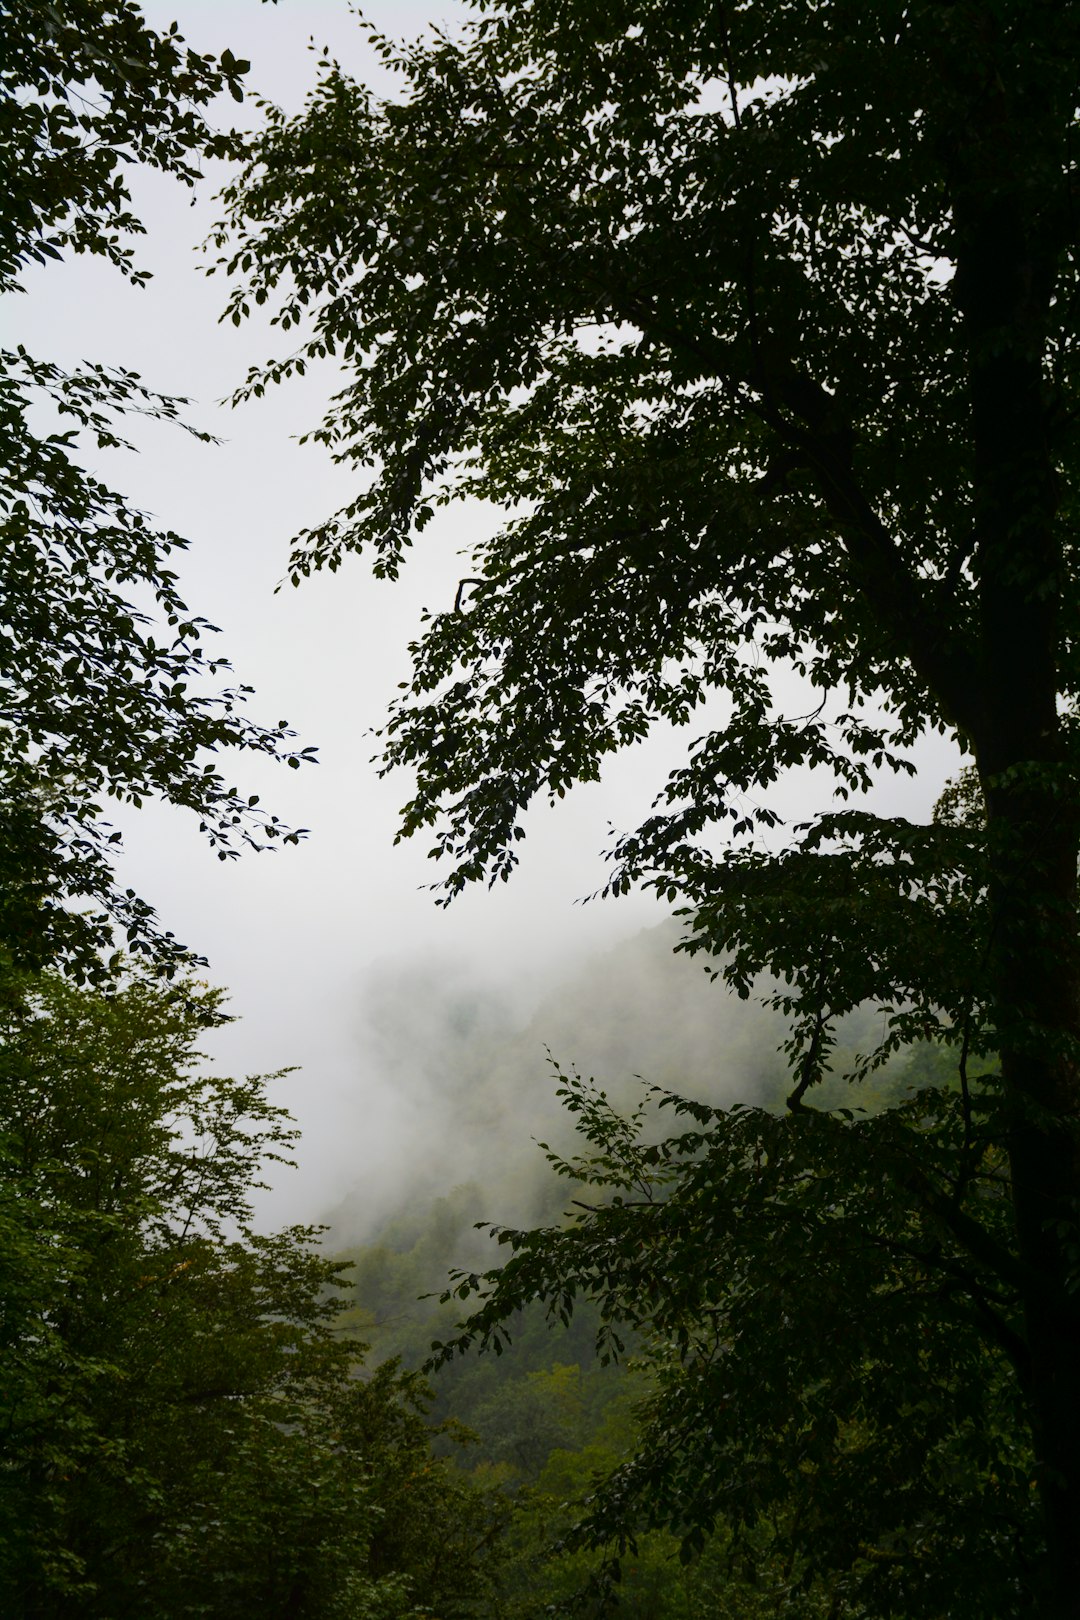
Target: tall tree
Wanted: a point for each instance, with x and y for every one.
(105, 685)
(762, 319)
(184, 1429)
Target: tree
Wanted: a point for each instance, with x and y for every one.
(829, 1371)
(761, 320)
(183, 1428)
(106, 686)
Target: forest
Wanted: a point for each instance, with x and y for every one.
(754, 324)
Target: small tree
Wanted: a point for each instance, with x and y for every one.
(831, 1369)
(761, 319)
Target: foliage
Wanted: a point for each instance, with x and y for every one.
(548, 1568)
(544, 1430)
(106, 686)
(836, 1370)
(185, 1430)
(550, 1421)
(761, 319)
(627, 277)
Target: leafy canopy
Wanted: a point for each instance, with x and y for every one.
(107, 687)
(184, 1430)
(678, 287)
(684, 290)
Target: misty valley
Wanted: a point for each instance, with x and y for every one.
(631, 450)
(205, 1420)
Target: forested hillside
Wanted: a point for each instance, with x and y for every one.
(475, 1084)
(547, 1416)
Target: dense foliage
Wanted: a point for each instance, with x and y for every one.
(824, 1359)
(761, 322)
(185, 1430)
(873, 1439)
(107, 687)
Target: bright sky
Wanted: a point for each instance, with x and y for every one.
(298, 936)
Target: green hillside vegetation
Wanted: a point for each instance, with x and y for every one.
(185, 1430)
(193, 1424)
(550, 1417)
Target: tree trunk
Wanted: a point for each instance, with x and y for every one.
(1005, 281)
(1035, 983)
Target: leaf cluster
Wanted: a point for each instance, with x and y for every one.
(87, 89)
(108, 688)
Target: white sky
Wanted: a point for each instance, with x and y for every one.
(298, 935)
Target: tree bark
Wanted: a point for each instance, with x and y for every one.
(1005, 279)
(1033, 975)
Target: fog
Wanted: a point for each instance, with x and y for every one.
(337, 959)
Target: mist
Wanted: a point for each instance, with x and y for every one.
(462, 1076)
(419, 1035)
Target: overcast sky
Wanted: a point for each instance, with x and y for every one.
(299, 936)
